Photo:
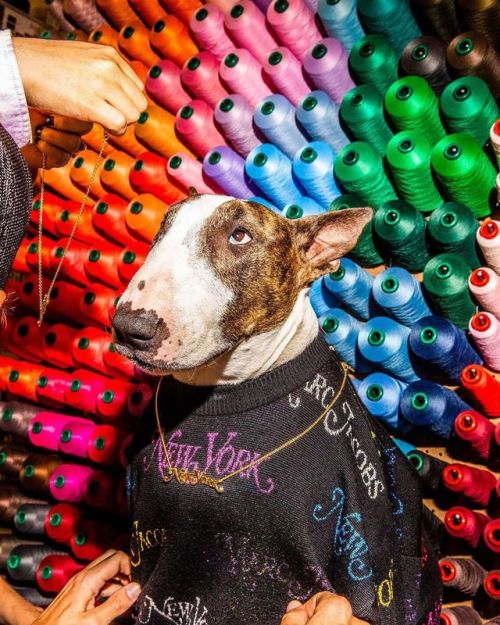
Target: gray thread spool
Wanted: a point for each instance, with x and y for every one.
(30, 518)
(469, 575)
(34, 596)
(16, 417)
(24, 560)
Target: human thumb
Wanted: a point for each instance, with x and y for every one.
(119, 602)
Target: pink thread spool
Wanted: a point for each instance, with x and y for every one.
(46, 428)
(488, 238)
(326, 66)
(69, 482)
(243, 21)
(187, 172)
(491, 535)
(465, 524)
(484, 284)
(200, 74)
(207, 27)
(485, 330)
(286, 74)
(75, 437)
(84, 389)
(164, 85)
(476, 430)
(294, 24)
(56, 341)
(235, 118)
(52, 386)
(242, 73)
(195, 124)
(475, 484)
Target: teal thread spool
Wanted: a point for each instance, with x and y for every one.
(374, 61)
(465, 172)
(452, 229)
(365, 253)
(468, 106)
(409, 157)
(446, 282)
(400, 235)
(362, 110)
(413, 105)
(392, 18)
(360, 170)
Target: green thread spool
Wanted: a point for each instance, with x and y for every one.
(465, 172)
(468, 105)
(393, 18)
(362, 110)
(365, 253)
(446, 282)
(409, 157)
(399, 230)
(413, 105)
(452, 229)
(360, 170)
(374, 61)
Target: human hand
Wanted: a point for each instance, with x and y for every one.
(76, 604)
(81, 81)
(324, 608)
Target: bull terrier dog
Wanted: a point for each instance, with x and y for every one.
(261, 478)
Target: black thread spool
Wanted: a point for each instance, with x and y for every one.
(7, 544)
(429, 470)
(483, 16)
(10, 500)
(34, 596)
(24, 560)
(460, 615)
(30, 518)
(11, 460)
(437, 17)
(426, 57)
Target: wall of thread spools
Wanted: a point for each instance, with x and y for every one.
(305, 106)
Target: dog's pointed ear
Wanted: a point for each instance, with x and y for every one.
(323, 239)
(192, 192)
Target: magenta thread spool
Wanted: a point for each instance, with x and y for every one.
(52, 385)
(164, 86)
(242, 74)
(326, 64)
(247, 26)
(69, 482)
(227, 170)
(234, 116)
(285, 73)
(207, 26)
(139, 399)
(45, 429)
(186, 172)
(195, 124)
(294, 24)
(75, 437)
(200, 74)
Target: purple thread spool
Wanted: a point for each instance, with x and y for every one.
(200, 74)
(75, 437)
(69, 482)
(164, 86)
(326, 65)
(294, 24)
(286, 74)
(227, 170)
(235, 118)
(46, 427)
(243, 22)
(207, 27)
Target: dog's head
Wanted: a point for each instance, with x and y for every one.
(221, 270)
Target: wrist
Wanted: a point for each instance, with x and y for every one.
(21, 47)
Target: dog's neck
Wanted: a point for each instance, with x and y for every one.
(260, 353)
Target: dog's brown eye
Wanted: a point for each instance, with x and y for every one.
(239, 237)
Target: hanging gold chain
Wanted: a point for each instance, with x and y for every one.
(44, 299)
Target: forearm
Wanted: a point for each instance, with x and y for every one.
(14, 115)
(14, 610)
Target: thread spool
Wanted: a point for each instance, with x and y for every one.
(118, 13)
(85, 233)
(302, 208)
(475, 484)
(234, 116)
(64, 295)
(19, 264)
(381, 394)
(56, 340)
(468, 106)
(46, 429)
(105, 35)
(27, 339)
(36, 472)
(55, 571)
(491, 535)
(362, 110)
(391, 18)
(51, 386)
(322, 300)
(82, 168)
(400, 295)
(426, 57)
(488, 238)
(476, 431)
(107, 217)
(130, 262)
(465, 524)
(186, 172)
(33, 596)
(409, 157)
(133, 40)
(480, 16)
(69, 482)
(207, 26)
(88, 347)
(62, 521)
(33, 254)
(73, 270)
(340, 20)
(105, 443)
(360, 170)
(495, 142)
(200, 75)
(429, 470)
(52, 206)
(483, 387)
(10, 500)
(452, 229)
(313, 167)
(442, 346)
(7, 543)
(242, 74)
(84, 387)
(143, 217)
(23, 379)
(227, 170)
(459, 615)
(59, 180)
(445, 282)
(242, 22)
(318, 115)
(326, 64)
(437, 17)
(74, 439)
(150, 11)
(24, 560)
(156, 128)
(184, 9)
(485, 330)
(341, 330)
(484, 284)
(195, 124)
(11, 460)
(170, 38)
(462, 574)
(352, 285)
(373, 60)
(91, 540)
(119, 397)
(149, 176)
(293, 22)
(165, 87)
(117, 364)
(30, 518)
(275, 118)
(115, 173)
(284, 71)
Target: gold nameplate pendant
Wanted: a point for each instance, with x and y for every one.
(192, 478)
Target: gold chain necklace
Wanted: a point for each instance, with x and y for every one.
(44, 299)
(193, 478)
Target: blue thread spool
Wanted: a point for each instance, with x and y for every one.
(271, 171)
(302, 208)
(381, 395)
(384, 342)
(321, 298)
(265, 202)
(391, 18)
(319, 116)
(275, 118)
(341, 331)
(340, 19)
(313, 167)
(428, 404)
(227, 169)
(352, 285)
(439, 343)
(400, 295)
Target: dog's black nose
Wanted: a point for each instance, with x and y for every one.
(134, 328)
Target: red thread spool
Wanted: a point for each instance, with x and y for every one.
(156, 127)
(164, 85)
(171, 39)
(56, 343)
(19, 263)
(32, 255)
(101, 492)
(149, 10)
(86, 233)
(95, 304)
(131, 261)
(483, 387)
(63, 298)
(144, 216)
(200, 75)
(6, 366)
(55, 571)
(115, 173)
(73, 267)
(134, 41)
(108, 219)
(123, 453)
(88, 347)
(113, 400)
(491, 535)
(118, 364)
(117, 11)
(22, 380)
(82, 168)
(195, 124)
(475, 484)
(492, 584)
(105, 444)
(101, 266)
(27, 338)
(84, 389)
(52, 385)
(187, 172)
(61, 522)
(465, 524)
(448, 571)
(476, 430)
(52, 207)
(26, 291)
(149, 176)
(139, 399)
(91, 540)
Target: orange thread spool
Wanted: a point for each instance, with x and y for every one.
(144, 216)
(52, 206)
(7, 364)
(115, 173)
(109, 219)
(60, 181)
(85, 232)
(134, 41)
(184, 9)
(149, 175)
(484, 387)
(63, 298)
(128, 142)
(118, 11)
(19, 263)
(82, 167)
(149, 10)
(172, 40)
(156, 128)
(95, 139)
(77, 35)
(23, 380)
(105, 35)
(101, 265)
(140, 69)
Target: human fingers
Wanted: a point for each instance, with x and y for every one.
(331, 609)
(66, 141)
(116, 605)
(120, 100)
(128, 71)
(296, 615)
(68, 124)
